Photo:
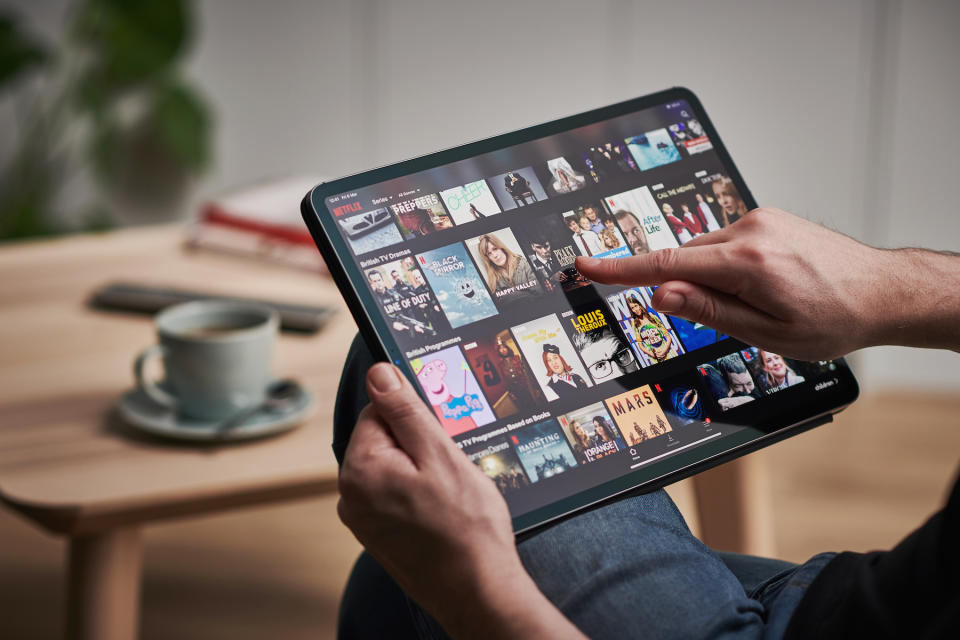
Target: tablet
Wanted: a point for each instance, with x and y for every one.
(458, 267)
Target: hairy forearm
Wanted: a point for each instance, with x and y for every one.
(918, 300)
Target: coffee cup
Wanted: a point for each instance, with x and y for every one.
(216, 358)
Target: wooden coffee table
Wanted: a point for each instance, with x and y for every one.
(70, 465)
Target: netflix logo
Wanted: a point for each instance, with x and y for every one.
(353, 207)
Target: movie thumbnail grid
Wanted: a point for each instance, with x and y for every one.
(368, 230)
(534, 449)
(505, 269)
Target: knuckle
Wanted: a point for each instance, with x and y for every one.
(665, 262)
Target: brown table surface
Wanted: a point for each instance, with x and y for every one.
(66, 460)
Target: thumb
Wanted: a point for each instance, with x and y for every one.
(721, 311)
(412, 424)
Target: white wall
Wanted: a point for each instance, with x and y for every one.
(843, 112)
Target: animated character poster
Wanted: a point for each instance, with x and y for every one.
(471, 202)
(505, 377)
(542, 449)
(452, 390)
(591, 433)
(456, 285)
(552, 358)
(638, 415)
(651, 334)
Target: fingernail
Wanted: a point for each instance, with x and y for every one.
(671, 302)
(589, 263)
(383, 377)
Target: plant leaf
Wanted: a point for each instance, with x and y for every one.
(18, 53)
(183, 124)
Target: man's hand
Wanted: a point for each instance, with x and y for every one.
(791, 286)
(434, 521)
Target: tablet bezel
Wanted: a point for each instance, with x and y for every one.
(796, 409)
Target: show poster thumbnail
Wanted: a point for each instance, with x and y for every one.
(651, 335)
(517, 188)
(470, 202)
(563, 177)
(638, 415)
(542, 449)
(605, 355)
(500, 464)
(730, 205)
(452, 390)
(550, 249)
(421, 216)
(506, 379)
(638, 215)
(681, 208)
(591, 433)
(408, 303)
(608, 160)
(594, 232)
(690, 136)
(369, 231)
(681, 399)
(772, 371)
(729, 381)
(456, 284)
(552, 358)
(653, 149)
(504, 268)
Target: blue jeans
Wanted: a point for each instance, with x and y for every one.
(628, 569)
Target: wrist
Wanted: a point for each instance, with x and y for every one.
(918, 300)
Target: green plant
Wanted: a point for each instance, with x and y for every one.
(110, 99)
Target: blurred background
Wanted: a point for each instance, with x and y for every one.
(129, 113)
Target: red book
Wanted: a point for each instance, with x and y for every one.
(260, 221)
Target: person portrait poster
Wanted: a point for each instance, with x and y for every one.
(471, 202)
(369, 231)
(690, 136)
(638, 415)
(608, 160)
(542, 449)
(552, 358)
(591, 433)
(651, 335)
(605, 354)
(421, 216)
(517, 188)
(412, 311)
(653, 149)
(456, 285)
(729, 381)
(451, 389)
(640, 203)
(499, 463)
(504, 268)
(563, 177)
(503, 374)
(550, 250)
(772, 371)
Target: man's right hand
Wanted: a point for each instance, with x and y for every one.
(785, 284)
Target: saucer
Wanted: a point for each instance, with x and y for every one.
(142, 413)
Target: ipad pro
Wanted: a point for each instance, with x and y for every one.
(459, 267)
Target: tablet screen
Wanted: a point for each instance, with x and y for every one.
(551, 384)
